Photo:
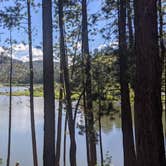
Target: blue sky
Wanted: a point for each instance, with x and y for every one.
(93, 7)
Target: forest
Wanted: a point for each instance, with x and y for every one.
(82, 83)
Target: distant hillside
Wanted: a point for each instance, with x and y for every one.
(21, 71)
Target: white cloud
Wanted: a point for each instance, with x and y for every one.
(1, 50)
(4, 51)
(102, 46)
(25, 58)
(21, 52)
(113, 45)
(20, 47)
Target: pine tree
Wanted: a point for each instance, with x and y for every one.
(148, 107)
(48, 71)
(128, 139)
(34, 146)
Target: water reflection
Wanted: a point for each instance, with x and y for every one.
(21, 149)
(14, 89)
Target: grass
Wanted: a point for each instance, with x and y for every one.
(38, 92)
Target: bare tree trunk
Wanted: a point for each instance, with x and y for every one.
(49, 98)
(128, 139)
(10, 101)
(75, 53)
(59, 127)
(87, 63)
(34, 146)
(86, 130)
(85, 111)
(130, 28)
(148, 107)
(100, 127)
(162, 47)
(67, 87)
(64, 141)
(131, 62)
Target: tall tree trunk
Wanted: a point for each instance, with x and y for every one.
(67, 86)
(85, 111)
(131, 62)
(162, 47)
(128, 140)
(86, 128)
(64, 140)
(10, 101)
(34, 146)
(131, 46)
(49, 102)
(99, 107)
(87, 64)
(130, 28)
(148, 107)
(59, 126)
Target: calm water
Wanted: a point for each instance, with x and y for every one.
(21, 149)
(14, 89)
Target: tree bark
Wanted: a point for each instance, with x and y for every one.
(64, 140)
(131, 44)
(148, 107)
(99, 87)
(128, 140)
(59, 126)
(85, 111)
(59, 131)
(88, 91)
(48, 71)
(10, 101)
(67, 86)
(162, 47)
(130, 28)
(34, 146)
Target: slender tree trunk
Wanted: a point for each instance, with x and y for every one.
(75, 53)
(128, 140)
(100, 136)
(59, 127)
(148, 107)
(10, 101)
(130, 28)
(100, 128)
(67, 87)
(77, 105)
(64, 141)
(49, 101)
(131, 62)
(34, 146)
(85, 111)
(86, 55)
(162, 47)
(86, 129)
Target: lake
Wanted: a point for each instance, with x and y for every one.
(21, 149)
(14, 89)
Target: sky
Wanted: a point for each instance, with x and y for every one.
(20, 36)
